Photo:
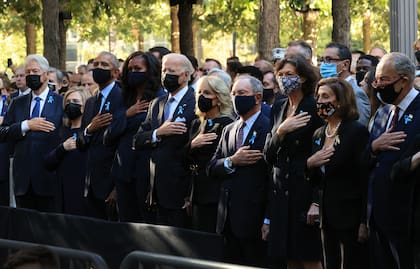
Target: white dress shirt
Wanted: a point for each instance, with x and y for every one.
(43, 96)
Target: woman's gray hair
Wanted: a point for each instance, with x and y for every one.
(41, 60)
(221, 74)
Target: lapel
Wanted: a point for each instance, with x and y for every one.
(254, 133)
(48, 108)
(182, 105)
(380, 121)
(319, 140)
(283, 110)
(27, 104)
(407, 118)
(232, 137)
(161, 106)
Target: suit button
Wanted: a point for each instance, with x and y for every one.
(275, 192)
(286, 176)
(297, 142)
(286, 193)
(287, 159)
(377, 165)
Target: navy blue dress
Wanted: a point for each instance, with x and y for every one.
(70, 167)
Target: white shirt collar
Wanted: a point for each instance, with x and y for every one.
(178, 96)
(105, 91)
(43, 95)
(403, 105)
(250, 121)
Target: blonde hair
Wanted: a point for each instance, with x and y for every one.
(219, 87)
(85, 94)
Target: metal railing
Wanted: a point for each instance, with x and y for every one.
(96, 261)
(134, 261)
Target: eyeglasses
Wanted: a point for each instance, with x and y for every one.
(378, 83)
(329, 59)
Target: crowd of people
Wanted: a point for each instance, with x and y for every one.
(297, 165)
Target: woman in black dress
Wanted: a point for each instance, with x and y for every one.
(214, 108)
(337, 167)
(66, 159)
(289, 226)
(140, 81)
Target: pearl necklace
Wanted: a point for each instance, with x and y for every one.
(334, 133)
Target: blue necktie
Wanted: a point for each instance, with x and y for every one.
(167, 109)
(35, 111)
(4, 108)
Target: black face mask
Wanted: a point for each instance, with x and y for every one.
(63, 89)
(388, 93)
(268, 95)
(34, 82)
(360, 75)
(417, 54)
(171, 82)
(325, 110)
(135, 79)
(101, 76)
(204, 104)
(73, 110)
(191, 81)
(243, 104)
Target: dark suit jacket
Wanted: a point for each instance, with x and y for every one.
(169, 179)
(401, 174)
(390, 200)
(29, 150)
(345, 182)
(243, 194)
(99, 154)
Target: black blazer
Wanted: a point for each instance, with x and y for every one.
(345, 181)
(206, 189)
(391, 204)
(99, 154)
(30, 150)
(243, 194)
(169, 178)
(401, 174)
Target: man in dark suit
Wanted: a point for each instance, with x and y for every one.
(101, 112)
(389, 138)
(20, 80)
(34, 120)
(238, 162)
(165, 131)
(336, 62)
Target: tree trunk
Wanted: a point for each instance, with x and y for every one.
(185, 27)
(198, 49)
(310, 29)
(50, 23)
(62, 50)
(30, 36)
(174, 29)
(366, 31)
(341, 22)
(140, 41)
(269, 28)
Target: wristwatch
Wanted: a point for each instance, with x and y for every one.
(229, 162)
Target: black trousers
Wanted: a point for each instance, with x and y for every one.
(249, 251)
(389, 254)
(4, 193)
(97, 208)
(131, 200)
(341, 248)
(172, 217)
(204, 217)
(41, 203)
